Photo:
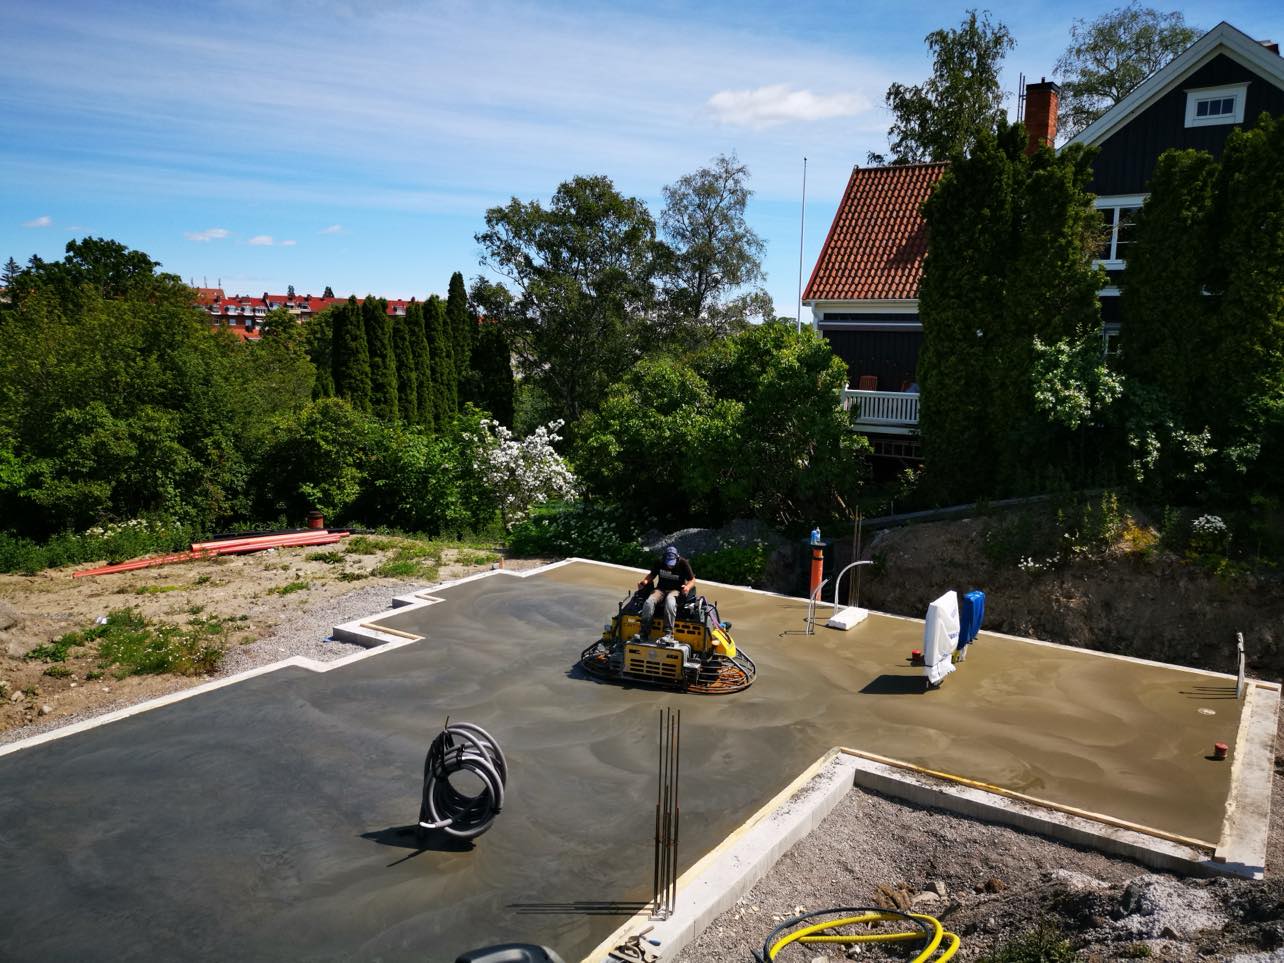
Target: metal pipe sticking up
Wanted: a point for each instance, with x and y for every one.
(665, 876)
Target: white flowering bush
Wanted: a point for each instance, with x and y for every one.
(1209, 534)
(519, 473)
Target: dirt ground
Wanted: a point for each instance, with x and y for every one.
(1147, 604)
(278, 595)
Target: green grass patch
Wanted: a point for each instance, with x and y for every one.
(405, 568)
(369, 545)
(57, 671)
(352, 576)
(128, 644)
(465, 557)
(289, 588)
(330, 558)
(1043, 944)
(156, 589)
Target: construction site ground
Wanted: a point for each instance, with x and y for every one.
(273, 817)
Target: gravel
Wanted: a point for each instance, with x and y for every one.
(998, 883)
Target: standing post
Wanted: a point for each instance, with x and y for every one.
(664, 893)
(802, 223)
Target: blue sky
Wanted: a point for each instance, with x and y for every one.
(358, 144)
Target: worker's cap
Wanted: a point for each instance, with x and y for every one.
(670, 556)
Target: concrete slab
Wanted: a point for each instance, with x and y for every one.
(264, 819)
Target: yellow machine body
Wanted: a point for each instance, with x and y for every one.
(694, 634)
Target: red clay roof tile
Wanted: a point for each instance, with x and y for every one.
(875, 247)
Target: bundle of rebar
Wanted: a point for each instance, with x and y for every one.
(665, 892)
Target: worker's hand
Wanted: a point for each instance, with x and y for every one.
(641, 585)
(686, 589)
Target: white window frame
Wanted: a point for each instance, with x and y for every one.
(1109, 208)
(1195, 94)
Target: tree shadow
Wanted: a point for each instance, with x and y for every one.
(418, 839)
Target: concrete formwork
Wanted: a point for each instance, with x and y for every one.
(271, 818)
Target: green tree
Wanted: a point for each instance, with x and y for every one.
(1109, 56)
(403, 351)
(711, 255)
(328, 292)
(318, 342)
(943, 116)
(1008, 269)
(462, 326)
(582, 270)
(289, 292)
(1246, 361)
(108, 267)
(746, 427)
(383, 362)
(441, 349)
(970, 223)
(351, 355)
(425, 394)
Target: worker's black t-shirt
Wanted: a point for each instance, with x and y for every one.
(672, 578)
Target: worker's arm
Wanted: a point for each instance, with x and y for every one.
(647, 580)
(689, 583)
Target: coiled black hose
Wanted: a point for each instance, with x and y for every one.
(462, 747)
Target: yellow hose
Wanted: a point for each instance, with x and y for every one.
(938, 935)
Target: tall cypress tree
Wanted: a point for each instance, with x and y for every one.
(425, 406)
(383, 363)
(350, 355)
(462, 326)
(318, 342)
(403, 351)
(492, 373)
(441, 347)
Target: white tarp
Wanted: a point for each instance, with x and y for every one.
(941, 637)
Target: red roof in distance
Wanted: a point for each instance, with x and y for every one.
(875, 247)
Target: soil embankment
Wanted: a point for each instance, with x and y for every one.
(1149, 604)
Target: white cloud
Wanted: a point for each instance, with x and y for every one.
(779, 104)
(289, 243)
(260, 240)
(332, 229)
(209, 234)
(44, 220)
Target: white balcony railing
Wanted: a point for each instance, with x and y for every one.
(890, 412)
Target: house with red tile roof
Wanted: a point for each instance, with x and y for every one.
(863, 291)
(244, 315)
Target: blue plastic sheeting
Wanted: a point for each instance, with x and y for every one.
(971, 612)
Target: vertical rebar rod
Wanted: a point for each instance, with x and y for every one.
(677, 810)
(659, 788)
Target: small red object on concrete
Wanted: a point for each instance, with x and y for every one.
(916, 656)
(1220, 749)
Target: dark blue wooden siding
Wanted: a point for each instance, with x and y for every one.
(1127, 158)
(891, 355)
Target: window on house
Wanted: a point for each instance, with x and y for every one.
(1215, 105)
(1118, 234)
(1110, 342)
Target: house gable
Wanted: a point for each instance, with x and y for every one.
(1153, 118)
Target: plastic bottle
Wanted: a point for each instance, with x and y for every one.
(815, 536)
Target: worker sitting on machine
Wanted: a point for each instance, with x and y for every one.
(675, 582)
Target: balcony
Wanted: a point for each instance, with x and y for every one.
(883, 412)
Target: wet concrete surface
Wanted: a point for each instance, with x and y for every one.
(270, 819)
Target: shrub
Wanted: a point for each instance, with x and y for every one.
(588, 531)
(735, 565)
(1043, 944)
(114, 542)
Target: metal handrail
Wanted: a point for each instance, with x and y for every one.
(839, 579)
(811, 607)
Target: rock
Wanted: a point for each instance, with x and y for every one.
(853, 952)
(937, 887)
(18, 696)
(46, 709)
(1076, 882)
(926, 898)
(994, 885)
(8, 616)
(820, 959)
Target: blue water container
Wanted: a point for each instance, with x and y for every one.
(971, 612)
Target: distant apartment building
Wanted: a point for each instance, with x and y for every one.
(243, 315)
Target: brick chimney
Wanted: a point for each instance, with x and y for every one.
(1041, 114)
